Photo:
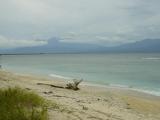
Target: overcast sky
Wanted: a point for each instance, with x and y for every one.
(106, 22)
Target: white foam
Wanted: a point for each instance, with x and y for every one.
(119, 86)
(125, 87)
(151, 92)
(151, 58)
(59, 76)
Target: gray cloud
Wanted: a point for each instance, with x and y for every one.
(107, 22)
(12, 43)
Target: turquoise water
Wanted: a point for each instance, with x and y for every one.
(135, 71)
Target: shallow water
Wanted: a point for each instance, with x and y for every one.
(136, 71)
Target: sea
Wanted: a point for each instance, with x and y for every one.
(136, 71)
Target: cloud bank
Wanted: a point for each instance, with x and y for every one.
(105, 22)
(11, 43)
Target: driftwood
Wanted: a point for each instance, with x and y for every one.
(73, 86)
(50, 85)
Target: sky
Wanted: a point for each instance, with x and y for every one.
(102, 22)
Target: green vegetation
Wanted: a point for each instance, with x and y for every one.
(18, 104)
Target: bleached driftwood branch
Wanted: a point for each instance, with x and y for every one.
(73, 86)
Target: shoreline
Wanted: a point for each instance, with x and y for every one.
(119, 87)
(108, 86)
(88, 103)
(91, 84)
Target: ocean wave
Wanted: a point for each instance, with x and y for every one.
(128, 87)
(119, 86)
(59, 76)
(151, 58)
(147, 91)
(151, 92)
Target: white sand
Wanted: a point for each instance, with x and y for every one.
(89, 103)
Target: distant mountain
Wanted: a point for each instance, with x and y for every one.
(55, 46)
(147, 45)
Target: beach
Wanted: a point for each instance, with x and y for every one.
(79, 60)
(116, 70)
(88, 103)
